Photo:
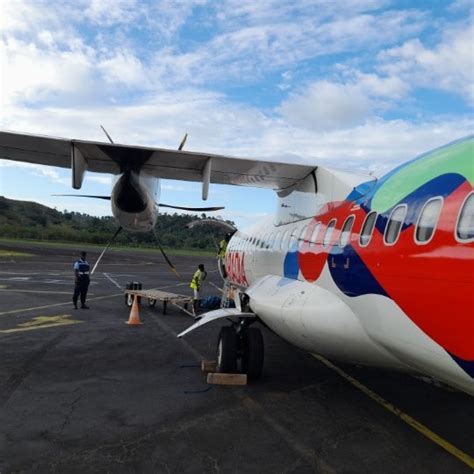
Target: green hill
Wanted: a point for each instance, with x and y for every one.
(29, 220)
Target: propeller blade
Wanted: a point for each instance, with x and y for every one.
(191, 208)
(168, 261)
(107, 135)
(117, 232)
(84, 196)
(183, 141)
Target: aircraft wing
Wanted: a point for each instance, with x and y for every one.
(162, 163)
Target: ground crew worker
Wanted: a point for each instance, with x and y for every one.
(223, 246)
(81, 274)
(196, 284)
(221, 254)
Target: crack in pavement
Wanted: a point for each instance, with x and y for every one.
(15, 380)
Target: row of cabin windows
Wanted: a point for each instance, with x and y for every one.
(424, 229)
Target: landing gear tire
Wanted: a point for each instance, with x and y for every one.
(129, 300)
(252, 353)
(151, 302)
(227, 350)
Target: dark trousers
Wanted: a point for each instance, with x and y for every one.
(82, 284)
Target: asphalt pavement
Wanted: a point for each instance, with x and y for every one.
(81, 391)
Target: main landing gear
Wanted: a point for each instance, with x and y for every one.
(240, 349)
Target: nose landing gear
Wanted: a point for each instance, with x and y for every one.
(240, 349)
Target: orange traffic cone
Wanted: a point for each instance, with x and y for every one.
(134, 319)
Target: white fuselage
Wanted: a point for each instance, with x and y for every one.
(319, 318)
(406, 304)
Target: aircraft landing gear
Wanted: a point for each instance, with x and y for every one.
(227, 350)
(252, 353)
(244, 345)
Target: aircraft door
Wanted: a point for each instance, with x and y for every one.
(342, 255)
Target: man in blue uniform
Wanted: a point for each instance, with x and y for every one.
(81, 273)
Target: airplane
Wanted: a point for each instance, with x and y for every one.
(365, 270)
(135, 192)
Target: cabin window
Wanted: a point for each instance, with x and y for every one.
(428, 220)
(367, 229)
(314, 234)
(394, 225)
(301, 237)
(329, 232)
(465, 227)
(346, 231)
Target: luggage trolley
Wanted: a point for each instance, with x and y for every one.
(134, 289)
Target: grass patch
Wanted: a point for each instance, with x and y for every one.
(95, 247)
(13, 253)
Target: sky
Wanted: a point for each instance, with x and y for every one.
(351, 84)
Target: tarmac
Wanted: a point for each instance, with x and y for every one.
(81, 391)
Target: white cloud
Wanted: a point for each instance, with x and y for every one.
(462, 6)
(124, 67)
(60, 81)
(236, 12)
(327, 106)
(111, 12)
(449, 65)
(50, 59)
(39, 170)
(180, 188)
(101, 179)
(30, 73)
(248, 50)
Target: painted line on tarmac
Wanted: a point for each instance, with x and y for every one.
(36, 273)
(112, 280)
(425, 431)
(54, 305)
(43, 322)
(8, 290)
(306, 453)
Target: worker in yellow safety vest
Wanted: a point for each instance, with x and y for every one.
(221, 255)
(196, 284)
(223, 246)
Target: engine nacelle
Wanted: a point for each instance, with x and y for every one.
(315, 320)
